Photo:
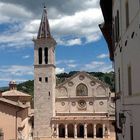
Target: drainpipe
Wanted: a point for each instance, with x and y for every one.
(16, 123)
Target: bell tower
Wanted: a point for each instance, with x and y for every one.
(44, 79)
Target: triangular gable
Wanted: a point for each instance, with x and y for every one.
(85, 74)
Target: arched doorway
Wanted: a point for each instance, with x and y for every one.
(62, 131)
(90, 131)
(80, 131)
(99, 131)
(70, 131)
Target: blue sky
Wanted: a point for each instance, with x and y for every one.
(74, 25)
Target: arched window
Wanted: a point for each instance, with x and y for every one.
(46, 55)
(61, 131)
(81, 90)
(40, 55)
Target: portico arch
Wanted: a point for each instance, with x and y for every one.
(71, 131)
(90, 131)
(62, 131)
(99, 131)
(80, 131)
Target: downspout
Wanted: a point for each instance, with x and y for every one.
(16, 123)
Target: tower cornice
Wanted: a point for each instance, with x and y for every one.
(44, 65)
(42, 41)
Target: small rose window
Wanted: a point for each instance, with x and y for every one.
(82, 103)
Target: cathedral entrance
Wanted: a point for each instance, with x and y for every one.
(99, 131)
(70, 131)
(80, 131)
(61, 131)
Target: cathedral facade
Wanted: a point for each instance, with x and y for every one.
(80, 107)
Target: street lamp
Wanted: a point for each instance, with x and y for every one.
(122, 118)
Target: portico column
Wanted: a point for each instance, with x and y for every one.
(52, 130)
(103, 130)
(66, 131)
(57, 131)
(94, 130)
(108, 130)
(85, 130)
(75, 130)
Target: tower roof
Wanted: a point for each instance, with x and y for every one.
(44, 29)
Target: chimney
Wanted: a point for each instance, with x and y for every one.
(12, 85)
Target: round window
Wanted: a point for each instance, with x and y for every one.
(101, 102)
(70, 84)
(92, 83)
(81, 77)
(62, 103)
(73, 103)
(82, 103)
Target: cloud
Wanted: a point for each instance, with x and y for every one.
(26, 56)
(59, 70)
(97, 66)
(8, 12)
(94, 65)
(70, 21)
(69, 64)
(73, 42)
(61, 7)
(72, 65)
(15, 70)
(70, 61)
(101, 56)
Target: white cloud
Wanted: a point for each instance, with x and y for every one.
(16, 70)
(8, 12)
(93, 37)
(69, 64)
(59, 70)
(106, 68)
(67, 26)
(93, 65)
(26, 56)
(97, 66)
(81, 23)
(72, 65)
(101, 56)
(73, 42)
(70, 61)
(7, 80)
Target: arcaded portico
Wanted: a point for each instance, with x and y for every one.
(81, 127)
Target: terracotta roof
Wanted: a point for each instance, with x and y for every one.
(17, 104)
(15, 93)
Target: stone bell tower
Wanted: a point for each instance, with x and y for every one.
(44, 79)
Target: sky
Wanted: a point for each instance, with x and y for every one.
(74, 26)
